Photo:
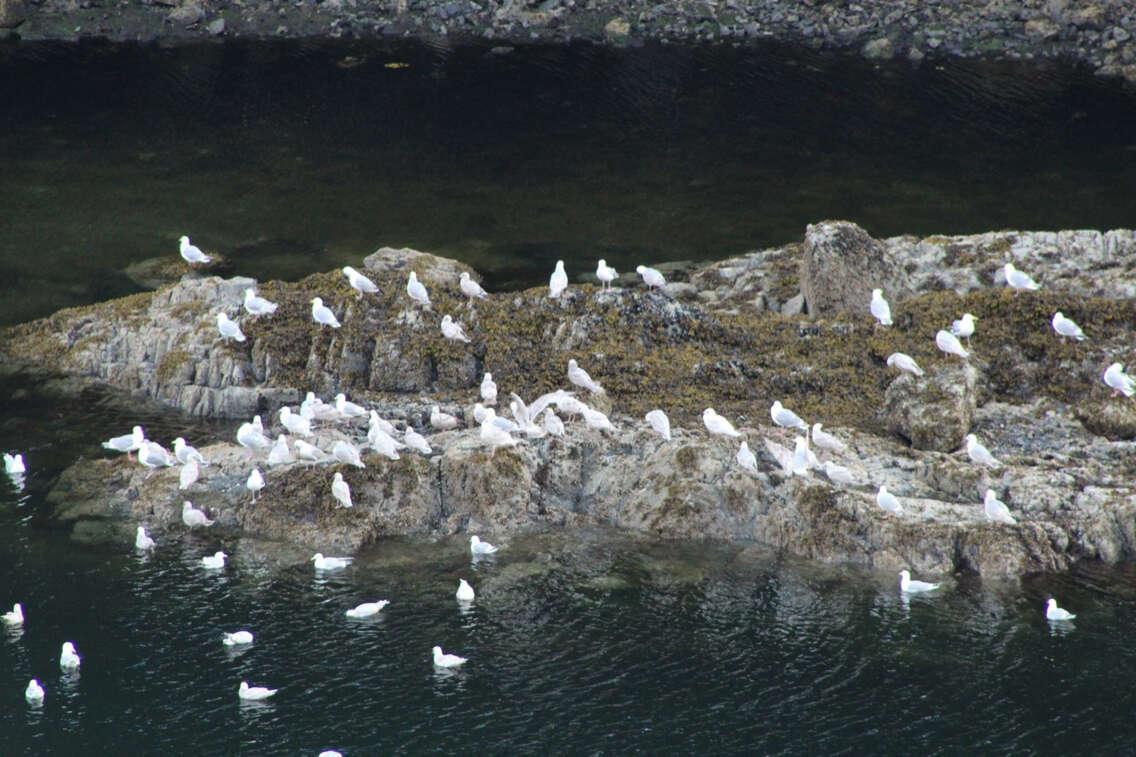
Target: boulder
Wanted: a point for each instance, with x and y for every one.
(935, 411)
(842, 265)
(12, 13)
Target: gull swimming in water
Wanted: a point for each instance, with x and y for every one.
(189, 474)
(453, 331)
(879, 308)
(68, 658)
(191, 253)
(237, 638)
(359, 282)
(904, 362)
(322, 314)
(367, 609)
(443, 660)
(34, 693)
(14, 464)
(297, 425)
(142, 540)
(1119, 381)
(330, 563)
(255, 305)
(15, 616)
(479, 547)
(651, 277)
(964, 327)
(978, 453)
(580, 378)
(229, 329)
(552, 423)
(341, 491)
(127, 443)
(605, 274)
(908, 586)
(442, 421)
(416, 291)
(716, 424)
(996, 510)
(185, 452)
(888, 501)
(786, 418)
(471, 288)
(746, 458)
(465, 591)
(660, 422)
(346, 452)
(306, 451)
(558, 281)
(255, 482)
(838, 474)
(1018, 279)
(825, 440)
(488, 390)
(1053, 612)
(949, 343)
(416, 441)
(193, 517)
(215, 561)
(1066, 327)
(254, 692)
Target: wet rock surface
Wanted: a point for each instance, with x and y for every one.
(1038, 403)
(1099, 34)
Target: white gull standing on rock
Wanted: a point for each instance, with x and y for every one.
(716, 424)
(488, 390)
(605, 273)
(838, 474)
(825, 440)
(251, 439)
(908, 586)
(471, 288)
(341, 491)
(879, 308)
(189, 474)
(978, 453)
(597, 420)
(1066, 327)
(348, 409)
(996, 510)
(359, 282)
(552, 423)
(1018, 279)
(558, 281)
(255, 305)
(1119, 381)
(442, 421)
(660, 422)
(193, 517)
(280, 454)
(322, 314)
(296, 424)
(416, 291)
(229, 329)
(185, 452)
(416, 441)
(494, 435)
(786, 418)
(127, 443)
(888, 501)
(153, 455)
(453, 330)
(949, 343)
(255, 482)
(651, 277)
(580, 378)
(964, 327)
(383, 443)
(307, 451)
(346, 452)
(904, 362)
(803, 458)
(746, 458)
(190, 253)
(479, 547)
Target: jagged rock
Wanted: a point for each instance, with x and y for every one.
(934, 411)
(187, 14)
(1113, 418)
(431, 269)
(12, 13)
(842, 265)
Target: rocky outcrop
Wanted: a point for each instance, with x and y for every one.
(1037, 402)
(842, 265)
(1097, 33)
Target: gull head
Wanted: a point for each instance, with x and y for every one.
(317, 301)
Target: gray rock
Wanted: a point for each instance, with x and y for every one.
(187, 14)
(878, 49)
(842, 265)
(934, 411)
(12, 13)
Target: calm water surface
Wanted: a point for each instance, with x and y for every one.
(299, 157)
(579, 643)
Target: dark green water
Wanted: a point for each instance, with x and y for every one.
(578, 643)
(299, 157)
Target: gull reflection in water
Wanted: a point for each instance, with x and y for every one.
(1061, 627)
